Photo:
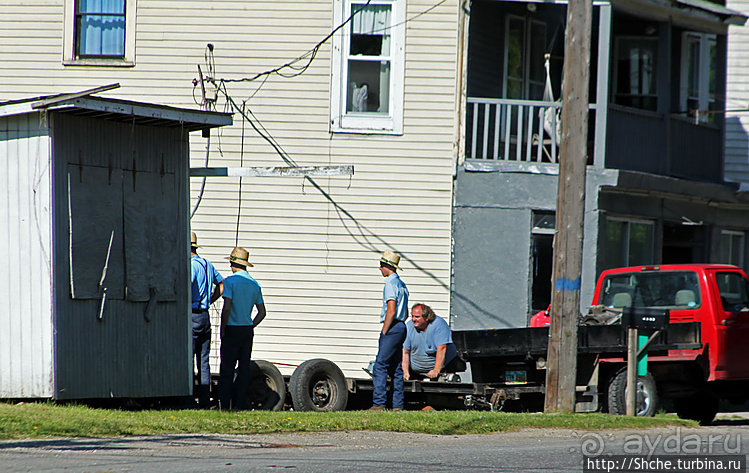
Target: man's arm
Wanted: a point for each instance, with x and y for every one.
(406, 364)
(260, 314)
(438, 362)
(218, 289)
(225, 314)
(389, 316)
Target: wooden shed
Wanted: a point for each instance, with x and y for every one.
(94, 231)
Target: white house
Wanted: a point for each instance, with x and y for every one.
(380, 94)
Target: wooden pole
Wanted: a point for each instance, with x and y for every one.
(631, 396)
(568, 242)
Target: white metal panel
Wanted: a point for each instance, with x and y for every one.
(316, 249)
(26, 279)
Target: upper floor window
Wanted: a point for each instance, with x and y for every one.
(636, 77)
(368, 67)
(100, 28)
(525, 45)
(99, 32)
(698, 80)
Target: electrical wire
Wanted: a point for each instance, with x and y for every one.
(311, 54)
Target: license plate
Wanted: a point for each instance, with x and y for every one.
(516, 377)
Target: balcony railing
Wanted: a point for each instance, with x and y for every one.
(513, 130)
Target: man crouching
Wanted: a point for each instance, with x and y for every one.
(429, 349)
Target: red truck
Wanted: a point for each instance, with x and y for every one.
(716, 296)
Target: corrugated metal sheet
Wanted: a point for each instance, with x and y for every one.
(26, 278)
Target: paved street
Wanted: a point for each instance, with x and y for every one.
(527, 451)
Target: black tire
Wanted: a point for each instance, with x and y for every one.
(267, 387)
(647, 395)
(318, 385)
(701, 407)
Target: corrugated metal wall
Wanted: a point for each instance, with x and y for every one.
(25, 239)
(122, 354)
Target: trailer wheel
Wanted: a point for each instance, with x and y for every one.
(647, 395)
(267, 388)
(701, 407)
(318, 385)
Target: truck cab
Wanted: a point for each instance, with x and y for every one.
(716, 296)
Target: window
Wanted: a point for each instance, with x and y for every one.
(698, 81)
(732, 247)
(542, 247)
(368, 67)
(636, 72)
(524, 59)
(628, 243)
(99, 32)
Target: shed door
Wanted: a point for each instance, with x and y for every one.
(96, 236)
(122, 234)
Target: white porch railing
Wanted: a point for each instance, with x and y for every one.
(513, 130)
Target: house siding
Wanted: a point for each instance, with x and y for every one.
(737, 123)
(25, 235)
(315, 245)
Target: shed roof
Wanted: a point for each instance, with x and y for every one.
(140, 113)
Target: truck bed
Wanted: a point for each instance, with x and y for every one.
(598, 339)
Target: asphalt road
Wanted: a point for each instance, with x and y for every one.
(537, 450)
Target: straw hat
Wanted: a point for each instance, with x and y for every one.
(388, 257)
(240, 256)
(193, 240)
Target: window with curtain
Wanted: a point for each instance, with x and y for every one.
(367, 89)
(369, 59)
(100, 28)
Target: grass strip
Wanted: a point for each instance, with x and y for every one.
(47, 419)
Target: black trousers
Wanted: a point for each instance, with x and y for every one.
(236, 349)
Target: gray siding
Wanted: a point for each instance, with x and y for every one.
(25, 239)
(122, 354)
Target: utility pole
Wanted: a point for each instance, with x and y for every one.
(568, 241)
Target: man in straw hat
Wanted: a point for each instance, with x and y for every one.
(207, 286)
(241, 294)
(390, 347)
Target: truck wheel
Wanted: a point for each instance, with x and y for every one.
(701, 407)
(267, 388)
(647, 395)
(318, 385)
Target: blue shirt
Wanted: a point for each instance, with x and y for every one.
(244, 293)
(395, 290)
(423, 344)
(204, 277)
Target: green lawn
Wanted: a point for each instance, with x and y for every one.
(47, 419)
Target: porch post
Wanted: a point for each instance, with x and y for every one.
(602, 83)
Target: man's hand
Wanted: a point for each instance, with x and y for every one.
(433, 373)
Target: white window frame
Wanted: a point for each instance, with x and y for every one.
(68, 53)
(705, 100)
(731, 234)
(342, 121)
